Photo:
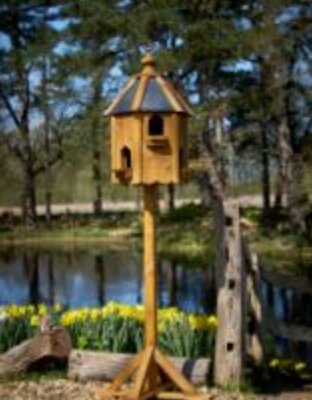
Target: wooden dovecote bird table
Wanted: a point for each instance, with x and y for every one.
(149, 148)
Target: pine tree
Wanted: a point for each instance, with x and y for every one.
(95, 35)
(28, 35)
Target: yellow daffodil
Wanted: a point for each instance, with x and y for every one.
(58, 308)
(13, 311)
(274, 363)
(94, 314)
(42, 310)
(34, 321)
(212, 321)
(299, 366)
(30, 309)
(197, 321)
(169, 314)
(68, 318)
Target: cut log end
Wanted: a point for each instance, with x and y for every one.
(54, 344)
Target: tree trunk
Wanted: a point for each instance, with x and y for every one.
(97, 178)
(210, 294)
(31, 267)
(297, 200)
(202, 180)
(265, 173)
(46, 112)
(29, 196)
(100, 274)
(284, 171)
(96, 145)
(51, 279)
(170, 197)
(289, 168)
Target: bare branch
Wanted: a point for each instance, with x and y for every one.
(9, 107)
(26, 104)
(52, 161)
(14, 148)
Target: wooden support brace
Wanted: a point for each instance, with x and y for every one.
(143, 371)
(123, 376)
(175, 376)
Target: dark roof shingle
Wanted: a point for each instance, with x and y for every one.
(148, 92)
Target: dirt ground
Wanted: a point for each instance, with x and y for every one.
(62, 389)
(245, 201)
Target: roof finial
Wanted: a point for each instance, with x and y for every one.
(148, 63)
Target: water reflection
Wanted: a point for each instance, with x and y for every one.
(91, 277)
(94, 275)
(288, 304)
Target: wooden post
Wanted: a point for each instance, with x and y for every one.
(150, 279)
(153, 372)
(150, 272)
(230, 344)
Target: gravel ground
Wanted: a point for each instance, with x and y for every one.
(62, 389)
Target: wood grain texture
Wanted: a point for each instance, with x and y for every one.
(255, 336)
(92, 365)
(175, 376)
(53, 343)
(150, 273)
(231, 303)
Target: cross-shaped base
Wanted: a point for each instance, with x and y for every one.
(153, 376)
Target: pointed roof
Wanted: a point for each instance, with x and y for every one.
(148, 91)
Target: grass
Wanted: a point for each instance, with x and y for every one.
(73, 227)
(284, 252)
(186, 236)
(279, 246)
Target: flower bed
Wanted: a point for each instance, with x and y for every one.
(115, 327)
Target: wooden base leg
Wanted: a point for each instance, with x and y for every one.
(122, 377)
(173, 374)
(153, 375)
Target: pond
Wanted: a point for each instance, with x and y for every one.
(92, 274)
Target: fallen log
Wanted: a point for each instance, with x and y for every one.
(53, 343)
(92, 365)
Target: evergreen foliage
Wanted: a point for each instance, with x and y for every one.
(245, 66)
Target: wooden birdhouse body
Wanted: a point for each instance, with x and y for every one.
(148, 131)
